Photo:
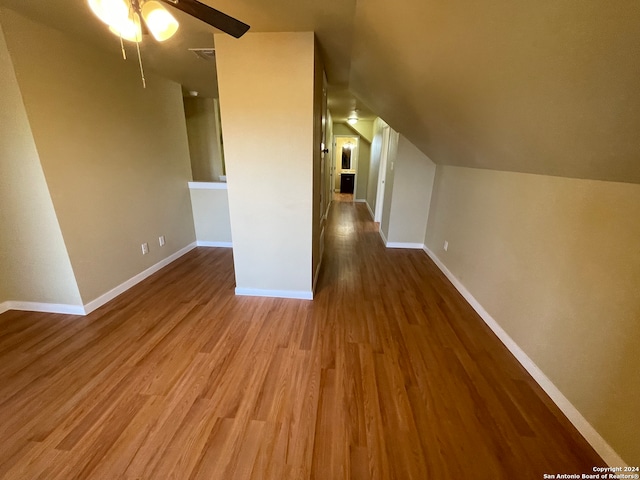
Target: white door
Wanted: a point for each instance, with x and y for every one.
(382, 173)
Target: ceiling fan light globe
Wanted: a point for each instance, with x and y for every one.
(110, 12)
(352, 120)
(161, 23)
(129, 29)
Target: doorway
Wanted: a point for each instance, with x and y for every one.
(345, 164)
(384, 152)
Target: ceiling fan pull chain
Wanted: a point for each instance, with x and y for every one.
(144, 82)
(124, 52)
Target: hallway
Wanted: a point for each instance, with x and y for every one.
(388, 373)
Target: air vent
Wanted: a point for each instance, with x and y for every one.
(205, 53)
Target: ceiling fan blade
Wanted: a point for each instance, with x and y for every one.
(209, 15)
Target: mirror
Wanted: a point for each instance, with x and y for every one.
(347, 148)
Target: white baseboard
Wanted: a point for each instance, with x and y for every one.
(315, 278)
(204, 243)
(42, 307)
(598, 443)
(98, 302)
(316, 275)
(370, 211)
(114, 292)
(221, 185)
(326, 213)
(321, 253)
(384, 239)
(257, 292)
(417, 246)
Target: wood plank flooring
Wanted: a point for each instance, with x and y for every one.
(387, 374)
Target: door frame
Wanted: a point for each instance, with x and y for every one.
(382, 173)
(354, 160)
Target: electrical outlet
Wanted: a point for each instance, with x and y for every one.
(446, 246)
(161, 240)
(145, 248)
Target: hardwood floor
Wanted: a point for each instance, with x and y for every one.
(387, 374)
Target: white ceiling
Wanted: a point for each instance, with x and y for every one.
(171, 59)
(331, 20)
(545, 87)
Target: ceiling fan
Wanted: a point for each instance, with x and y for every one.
(129, 19)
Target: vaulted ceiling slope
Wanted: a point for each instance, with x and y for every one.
(549, 87)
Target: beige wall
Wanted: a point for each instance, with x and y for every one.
(115, 156)
(211, 215)
(556, 262)
(412, 176)
(362, 177)
(34, 265)
(266, 84)
(203, 135)
(364, 128)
